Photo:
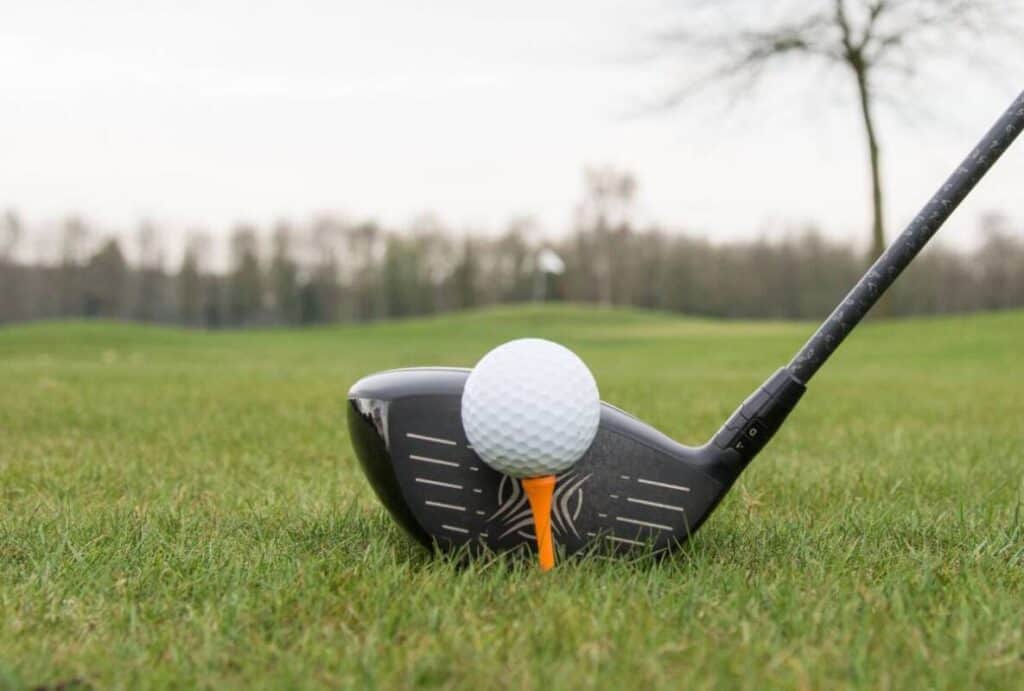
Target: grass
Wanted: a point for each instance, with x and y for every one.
(182, 509)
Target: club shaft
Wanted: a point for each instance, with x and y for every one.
(911, 241)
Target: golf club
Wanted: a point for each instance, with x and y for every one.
(634, 485)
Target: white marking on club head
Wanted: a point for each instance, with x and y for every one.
(646, 524)
(678, 488)
(442, 505)
(435, 440)
(435, 461)
(656, 504)
(437, 483)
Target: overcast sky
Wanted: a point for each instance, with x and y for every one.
(205, 113)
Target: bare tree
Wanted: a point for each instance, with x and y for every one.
(436, 261)
(466, 275)
(11, 299)
(366, 247)
(998, 261)
(878, 44)
(603, 225)
(400, 277)
(245, 282)
(284, 275)
(74, 240)
(511, 257)
(150, 271)
(190, 281)
(104, 285)
(321, 296)
(10, 235)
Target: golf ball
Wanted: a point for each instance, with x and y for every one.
(530, 407)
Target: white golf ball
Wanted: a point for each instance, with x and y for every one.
(530, 408)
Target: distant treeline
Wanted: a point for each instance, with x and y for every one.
(330, 271)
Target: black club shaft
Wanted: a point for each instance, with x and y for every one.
(911, 241)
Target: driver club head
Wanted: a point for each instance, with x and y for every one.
(633, 487)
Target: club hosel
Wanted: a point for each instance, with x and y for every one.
(757, 420)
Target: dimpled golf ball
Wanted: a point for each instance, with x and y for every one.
(530, 408)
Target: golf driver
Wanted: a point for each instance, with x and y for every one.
(634, 486)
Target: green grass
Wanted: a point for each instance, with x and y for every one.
(183, 509)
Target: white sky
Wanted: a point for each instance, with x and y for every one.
(206, 113)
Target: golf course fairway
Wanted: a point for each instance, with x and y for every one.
(183, 508)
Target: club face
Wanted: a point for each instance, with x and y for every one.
(634, 487)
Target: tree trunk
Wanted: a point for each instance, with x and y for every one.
(878, 221)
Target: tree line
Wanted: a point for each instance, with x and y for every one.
(330, 271)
